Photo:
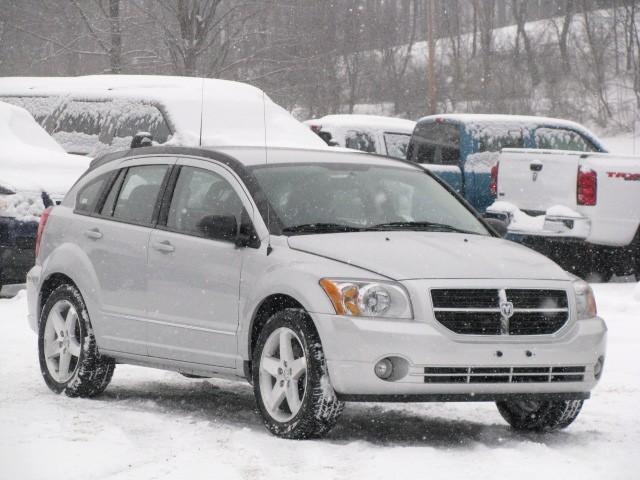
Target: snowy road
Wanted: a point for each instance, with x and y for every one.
(156, 425)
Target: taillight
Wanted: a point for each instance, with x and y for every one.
(43, 223)
(587, 187)
(493, 186)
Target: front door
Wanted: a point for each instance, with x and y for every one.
(194, 280)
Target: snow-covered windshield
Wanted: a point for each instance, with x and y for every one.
(563, 139)
(334, 197)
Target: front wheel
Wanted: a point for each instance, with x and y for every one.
(290, 379)
(539, 416)
(67, 350)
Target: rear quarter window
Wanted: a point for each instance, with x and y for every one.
(436, 144)
(88, 196)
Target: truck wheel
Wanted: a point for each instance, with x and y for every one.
(67, 350)
(290, 379)
(539, 416)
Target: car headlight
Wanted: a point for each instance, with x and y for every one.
(585, 300)
(361, 298)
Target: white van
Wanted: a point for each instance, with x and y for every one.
(93, 114)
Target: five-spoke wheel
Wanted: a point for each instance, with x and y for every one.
(290, 378)
(283, 369)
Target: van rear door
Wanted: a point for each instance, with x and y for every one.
(436, 145)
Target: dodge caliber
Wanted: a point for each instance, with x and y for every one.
(319, 276)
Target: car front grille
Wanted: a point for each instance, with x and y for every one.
(504, 374)
(501, 311)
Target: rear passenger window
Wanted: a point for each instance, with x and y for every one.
(88, 195)
(199, 194)
(138, 194)
(359, 140)
(562, 139)
(94, 126)
(436, 144)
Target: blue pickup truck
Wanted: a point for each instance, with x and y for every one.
(462, 149)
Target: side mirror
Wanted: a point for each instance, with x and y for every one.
(219, 227)
(142, 139)
(247, 236)
(500, 226)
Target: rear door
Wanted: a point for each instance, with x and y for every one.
(116, 239)
(194, 281)
(436, 146)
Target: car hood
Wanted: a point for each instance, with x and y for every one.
(420, 255)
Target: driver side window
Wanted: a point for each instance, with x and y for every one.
(200, 194)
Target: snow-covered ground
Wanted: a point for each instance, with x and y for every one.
(154, 424)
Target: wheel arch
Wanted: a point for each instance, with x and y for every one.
(69, 264)
(270, 305)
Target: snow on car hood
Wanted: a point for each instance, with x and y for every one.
(32, 161)
(26, 169)
(415, 255)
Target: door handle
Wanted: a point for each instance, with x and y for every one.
(164, 246)
(93, 234)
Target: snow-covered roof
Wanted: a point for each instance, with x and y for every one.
(30, 160)
(494, 119)
(232, 113)
(372, 122)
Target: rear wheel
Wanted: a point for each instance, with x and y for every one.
(67, 350)
(539, 416)
(290, 378)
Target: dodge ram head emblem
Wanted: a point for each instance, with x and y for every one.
(506, 312)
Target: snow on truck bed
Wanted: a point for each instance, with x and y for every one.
(154, 424)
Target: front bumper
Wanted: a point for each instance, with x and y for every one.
(352, 347)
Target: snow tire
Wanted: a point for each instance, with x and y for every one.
(92, 372)
(544, 416)
(320, 408)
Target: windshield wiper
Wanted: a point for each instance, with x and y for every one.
(419, 226)
(321, 228)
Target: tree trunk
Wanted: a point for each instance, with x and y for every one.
(115, 50)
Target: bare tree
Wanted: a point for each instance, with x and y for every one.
(520, 14)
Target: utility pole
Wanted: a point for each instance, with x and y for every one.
(432, 104)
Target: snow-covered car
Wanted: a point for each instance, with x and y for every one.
(320, 276)
(368, 133)
(94, 114)
(561, 201)
(35, 172)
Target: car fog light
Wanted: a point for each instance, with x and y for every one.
(597, 368)
(384, 369)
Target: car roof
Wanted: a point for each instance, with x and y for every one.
(243, 157)
(372, 122)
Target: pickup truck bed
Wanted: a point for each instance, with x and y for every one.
(575, 196)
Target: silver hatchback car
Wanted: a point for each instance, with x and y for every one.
(320, 276)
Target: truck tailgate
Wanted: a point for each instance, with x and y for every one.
(535, 180)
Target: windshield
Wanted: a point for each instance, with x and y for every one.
(337, 197)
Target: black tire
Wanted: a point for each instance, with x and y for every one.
(320, 408)
(92, 372)
(540, 416)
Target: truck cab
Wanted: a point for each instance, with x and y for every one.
(463, 149)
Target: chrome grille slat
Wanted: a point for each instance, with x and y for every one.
(533, 374)
(479, 311)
